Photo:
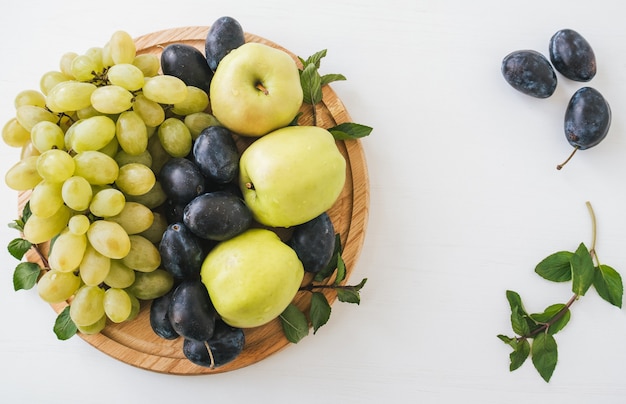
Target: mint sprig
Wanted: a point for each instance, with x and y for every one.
(296, 323)
(312, 82)
(534, 333)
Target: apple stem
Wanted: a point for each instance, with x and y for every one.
(568, 159)
(259, 86)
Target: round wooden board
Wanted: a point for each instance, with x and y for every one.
(136, 344)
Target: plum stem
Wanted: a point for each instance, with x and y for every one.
(568, 159)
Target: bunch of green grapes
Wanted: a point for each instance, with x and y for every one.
(92, 140)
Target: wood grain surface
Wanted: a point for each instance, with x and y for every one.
(136, 344)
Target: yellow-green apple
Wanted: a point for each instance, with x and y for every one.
(255, 90)
(252, 277)
(291, 175)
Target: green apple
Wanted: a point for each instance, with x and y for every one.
(256, 89)
(291, 175)
(252, 277)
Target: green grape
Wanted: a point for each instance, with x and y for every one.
(148, 63)
(111, 99)
(134, 218)
(111, 149)
(155, 232)
(29, 115)
(79, 224)
(119, 276)
(23, 175)
(123, 158)
(197, 100)
(150, 285)
(143, 255)
(29, 97)
(135, 179)
(46, 198)
(46, 136)
(65, 63)
(95, 53)
(199, 121)
(92, 133)
(87, 307)
(96, 167)
(117, 305)
(94, 328)
(70, 96)
(109, 239)
(50, 79)
(56, 286)
(67, 251)
(107, 57)
(135, 308)
(107, 202)
(131, 132)
(126, 75)
(175, 137)
(76, 193)
(122, 48)
(151, 199)
(88, 112)
(165, 89)
(40, 229)
(151, 112)
(94, 267)
(55, 165)
(14, 134)
(84, 68)
(29, 150)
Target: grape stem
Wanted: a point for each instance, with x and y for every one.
(42, 257)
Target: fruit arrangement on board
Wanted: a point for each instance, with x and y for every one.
(184, 183)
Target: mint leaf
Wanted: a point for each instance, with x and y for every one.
(17, 224)
(521, 322)
(314, 59)
(320, 310)
(556, 267)
(64, 327)
(332, 264)
(341, 270)
(294, 323)
(544, 355)
(519, 355)
(329, 78)
(18, 247)
(349, 295)
(608, 284)
(311, 85)
(582, 270)
(556, 316)
(25, 275)
(350, 130)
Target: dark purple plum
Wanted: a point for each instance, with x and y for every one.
(188, 64)
(225, 346)
(182, 252)
(218, 215)
(572, 56)
(159, 319)
(529, 72)
(215, 153)
(587, 120)
(224, 35)
(314, 242)
(191, 312)
(181, 180)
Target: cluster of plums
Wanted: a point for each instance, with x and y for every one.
(588, 115)
(204, 206)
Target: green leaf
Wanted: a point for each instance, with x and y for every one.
(17, 224)
(548, 317)
(341, 270)
(512, 342)
(521, 322)
(311, 85)
(294, 323)
(544, 355)
(18, 247)
(329, 78)
(64, 327)
(25, 275)
(314, 59)
(320, 310)
(350, 130)
(332, 264)
(582, 270)
(348, 295)
(608, 284)
(556, 267)
(519, 355)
